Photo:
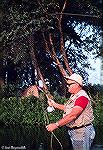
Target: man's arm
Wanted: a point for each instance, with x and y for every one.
(76, 111)
(79, 106)
(56, 105)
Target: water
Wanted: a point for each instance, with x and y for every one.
(37, 138)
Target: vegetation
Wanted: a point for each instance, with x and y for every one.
(20, 117)
(28, 111)
(49, 37)
(45, 40)
(32, 111)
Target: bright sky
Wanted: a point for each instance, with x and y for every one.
(89, 31)
(94, 75)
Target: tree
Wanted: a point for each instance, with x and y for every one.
(50, 25)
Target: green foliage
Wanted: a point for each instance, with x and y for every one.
(32, 111)
(29, 111)
(23, 19)
(20, 111)
(9, 90)
(98, 111)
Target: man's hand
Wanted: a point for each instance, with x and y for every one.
(51, 127)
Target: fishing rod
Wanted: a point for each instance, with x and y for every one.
(49, 110)
(40, 87)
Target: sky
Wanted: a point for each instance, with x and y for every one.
(90, 31)
(94, 75)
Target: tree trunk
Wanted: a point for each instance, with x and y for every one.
(62, 49)
(62, 70)
(36, 66)
(53, 54)
(54, 57)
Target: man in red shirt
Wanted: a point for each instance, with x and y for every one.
(77, 116)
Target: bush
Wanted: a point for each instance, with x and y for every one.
(28, 111)
(32, 111)
(19, 111)
(98, 111)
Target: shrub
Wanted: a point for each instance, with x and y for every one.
(33, 111)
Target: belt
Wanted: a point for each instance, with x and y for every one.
(73, 128)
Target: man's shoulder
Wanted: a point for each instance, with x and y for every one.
(83, 93)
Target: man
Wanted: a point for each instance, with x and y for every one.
(78, 114)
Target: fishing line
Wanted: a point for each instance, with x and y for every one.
(46, 119)
(52, 133)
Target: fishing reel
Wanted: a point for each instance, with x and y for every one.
(50, 108)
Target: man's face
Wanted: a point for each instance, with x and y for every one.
(72, 86)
